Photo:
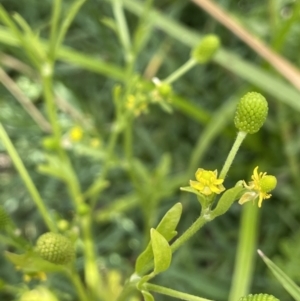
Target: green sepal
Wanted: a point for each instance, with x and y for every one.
(227, 199)
(166, 228)
(162, 252)
(192, 190)
(30, 263)
(147, 296)
(203, 200)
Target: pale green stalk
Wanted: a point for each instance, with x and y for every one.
(172, 293)
(192, 230)
(56, 8)
(26, 179)
(244, 260)
(74, 277)
(237, 143)
(92, 276)
(180, 71)
(122, 28)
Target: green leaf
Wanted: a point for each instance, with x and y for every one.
(228, 197)
(147, 296)
(143, 259)
(30, 262)
(169, 222)
(166, 228)
(161, 251)
(290, 286)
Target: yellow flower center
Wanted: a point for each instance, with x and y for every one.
(207, 182)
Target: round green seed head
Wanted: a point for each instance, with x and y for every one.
(259, 297)
(4, 218)
(251, 113)
(206, 49)
(55, 248)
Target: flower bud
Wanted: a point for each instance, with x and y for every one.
(259, 297)
(55, 248)
(268, 183)
(164, 89)
(251, 113)
(206, 49)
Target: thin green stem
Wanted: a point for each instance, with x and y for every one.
(92, 276)
(237, 143)
(172, 293)
(74, 277)
(199, 223)
(272, 12)
(54, 29)
(72, 11)
(26, 179)
(122, 28)
(244, 261)
(129, 288)
(128, 141)
(49, 98)
(180, 71)
(109, 152)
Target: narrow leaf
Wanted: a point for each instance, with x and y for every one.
(290, 286)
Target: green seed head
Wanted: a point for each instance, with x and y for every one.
(4, 218)
(55, 248)
(206, 49)
(259, 297)
(251, 113)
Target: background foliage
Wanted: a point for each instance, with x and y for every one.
(163, 142)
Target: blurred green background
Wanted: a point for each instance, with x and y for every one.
(202, 108)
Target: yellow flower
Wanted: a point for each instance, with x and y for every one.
(260, 186)
(76, 133)
(207, 182)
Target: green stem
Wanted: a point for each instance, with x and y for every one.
(54, 25)
(128, 141)
(109, 152)
(92, 276)
(49, 98)
(180, 71)
(26, 179)
(237, 143)
(74, 277)
(172, 293)
(244, 262)
(122, 28)
(199, 223)
(129, 288)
